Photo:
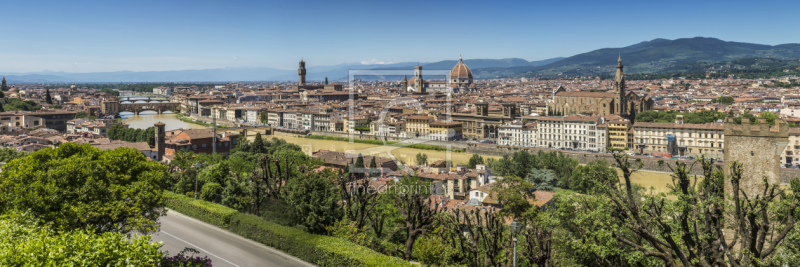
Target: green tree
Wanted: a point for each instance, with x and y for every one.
(769, 116)
(258, 145)
(78, 187)
(422, 159)
(475, 160)
(542, 179)
(689, 230)
(7, 154)
(587, 179)
(373, 168)
(211, 192)
(47, 98)
(19, 104)
(25, 243)
(313, 199)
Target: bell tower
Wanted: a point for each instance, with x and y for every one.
(620, 107)
(302, 72)
(4, 86)
(418, 79)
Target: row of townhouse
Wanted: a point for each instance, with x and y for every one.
(575, 132)
(517, 134)
(98, 127)
(304, 120)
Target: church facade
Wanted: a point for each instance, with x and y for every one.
(617, 102)
(461, 80)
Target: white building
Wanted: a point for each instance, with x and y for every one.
(580, 132)
(517, 134)
(551, 131)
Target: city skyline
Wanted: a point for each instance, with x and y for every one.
(102, 36)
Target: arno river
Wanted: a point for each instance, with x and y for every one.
(657, 180)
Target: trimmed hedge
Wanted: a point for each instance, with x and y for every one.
(316, 249)
(212, 213)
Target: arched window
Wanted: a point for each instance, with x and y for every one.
(194, 146)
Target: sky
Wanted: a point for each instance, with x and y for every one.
(103, 36)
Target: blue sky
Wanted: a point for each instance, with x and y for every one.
(98, 36)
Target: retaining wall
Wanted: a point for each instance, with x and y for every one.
(650, 164)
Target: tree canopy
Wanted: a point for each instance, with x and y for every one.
(80, 187)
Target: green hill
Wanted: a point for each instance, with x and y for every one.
(655, 56)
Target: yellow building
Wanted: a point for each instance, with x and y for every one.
(417, 125)
(618, 134)
(445, 131)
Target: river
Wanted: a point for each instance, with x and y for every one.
(657, 180)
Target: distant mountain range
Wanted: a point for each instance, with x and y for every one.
(318, 73)
(655, 56)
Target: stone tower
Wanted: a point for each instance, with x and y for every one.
(405, 82)
(4, 86)
(302, 72)
(482, 109)
(160, 142)
(758, 148)
(509, 110)
(619, 90)
(418, 79)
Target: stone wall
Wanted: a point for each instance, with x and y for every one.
(650, 164)
(453, 145)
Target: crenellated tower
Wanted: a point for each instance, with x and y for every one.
(758, 148)
(302, 72)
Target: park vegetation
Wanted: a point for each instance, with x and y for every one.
(76, 205)
(120, 132)
(272, 192)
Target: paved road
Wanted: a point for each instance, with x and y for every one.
(224, 248)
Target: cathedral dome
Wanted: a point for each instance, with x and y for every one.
(461, 70)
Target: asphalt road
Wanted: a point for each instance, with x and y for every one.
(224, 248)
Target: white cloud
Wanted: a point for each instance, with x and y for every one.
(375, 61)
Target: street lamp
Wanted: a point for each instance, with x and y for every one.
(515, 228)
(196, 178)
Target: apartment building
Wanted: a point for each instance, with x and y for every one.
(290, 119)
(551, 132)
(517, 134)
(417, 125)
(789, 154)
(323, 122)
(275, 117)
(680, 139)
(307, 120)
(618, 136)
(444, 131)
(580, 132)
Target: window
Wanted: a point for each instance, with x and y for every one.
(194, 146)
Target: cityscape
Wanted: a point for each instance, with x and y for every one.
(646, 147)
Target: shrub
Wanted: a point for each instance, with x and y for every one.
(316, 249)
(211, 191)
(199, 209)
(23, 243)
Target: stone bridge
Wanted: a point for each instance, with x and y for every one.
(139, 107)
(149, 99)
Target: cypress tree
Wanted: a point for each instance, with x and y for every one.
(373, 167)
(47, 98)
